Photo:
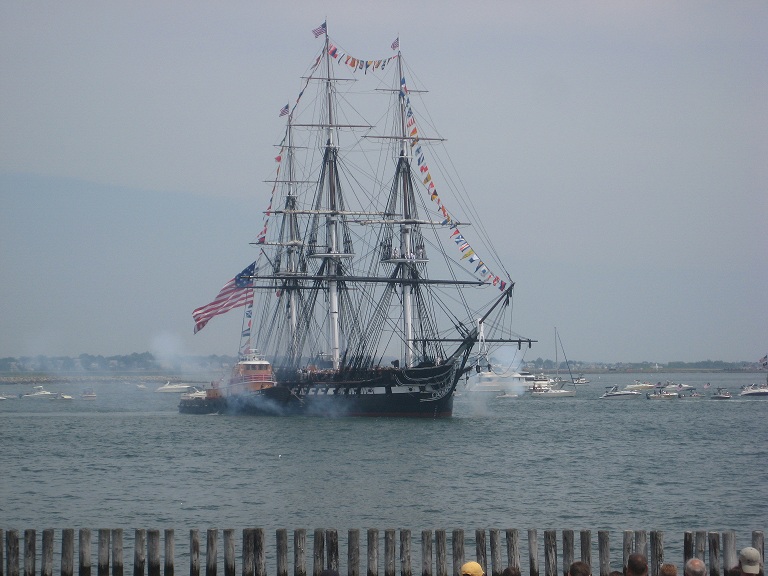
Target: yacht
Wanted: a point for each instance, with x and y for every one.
(175, 388)
(614, 392)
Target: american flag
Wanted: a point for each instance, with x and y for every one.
(284, 110)
(319, 31)
(396, 43)
(234, 294)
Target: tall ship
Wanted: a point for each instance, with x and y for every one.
(370, 295)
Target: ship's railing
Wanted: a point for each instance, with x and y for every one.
(435, 559)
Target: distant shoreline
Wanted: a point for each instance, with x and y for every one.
(200, 377)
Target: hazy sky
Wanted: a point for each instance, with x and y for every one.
(618, 149)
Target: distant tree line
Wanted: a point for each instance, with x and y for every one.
(144, 362)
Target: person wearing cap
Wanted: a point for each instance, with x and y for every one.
(695, 567)
(511, 571)
(750, 561)
(472, 569)
(637, 565)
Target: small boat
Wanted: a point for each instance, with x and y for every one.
(692, 393)
(580, 380)
(661, 394)
(60, 396)
(194, 393)
(614, 392)
(755, 390)
(88, 394)
(174, 388)
(552, 392)
(677, 387)
(721, 394)
(141, 386)
(490, 384)
(640, 386)
(38, 392)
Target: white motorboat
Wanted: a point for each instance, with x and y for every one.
(721, 394)
(193, 393)
(494, 385)
(614, 392)
(677, 388)
(755, 391)
(88, 394)
(661, 394)
(552, 392)
(580, 380)
(38, 392)
(640, 386)
(175, 388)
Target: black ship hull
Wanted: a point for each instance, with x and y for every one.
(425, 392)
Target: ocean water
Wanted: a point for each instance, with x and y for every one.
(129, 460)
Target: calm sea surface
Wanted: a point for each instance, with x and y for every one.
(129, 460)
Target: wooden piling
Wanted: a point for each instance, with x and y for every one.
(332, 547)
(281, 543)
(67, 552)
(657, 552)
(12, 551)
(353, 552)
(318, 552)
(495, 543)
(117, 552)
(641, 542)
(102, 554)
(194, 552)
(405, 553)
(758, 543)
(153, 552)
(30, 552)
(85, 552)
(47, 559)
(604, 552)
(139, 552)
(300, 552)
(567, 550)
(585, 539)
(426, 553)
(260, 552)
(513, 547)
(170, 553)
(458, 551)
(480, 552)
(441, 553)
(730, 559)
(688, 546)
(389, 552)
(550, 553)
(714, 553)
(700, 550)
(533, 552)
(627, 548)
(372, 564)
(211, 552)
(229, 552)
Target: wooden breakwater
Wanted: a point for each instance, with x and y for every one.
(716, 548)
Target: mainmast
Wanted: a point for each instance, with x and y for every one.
(293, 242)
(406, 247)
(332, 218)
